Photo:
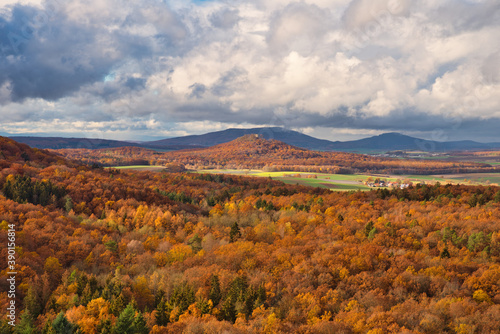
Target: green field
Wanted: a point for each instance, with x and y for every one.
(346, 182)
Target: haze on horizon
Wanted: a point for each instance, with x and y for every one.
(334, 69)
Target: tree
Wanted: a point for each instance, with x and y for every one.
(62, 325)
(228, 310)
(124, 323)
(497, 197)
(368, 228)
(162, 313)
(215, 293)
(445, 253)
(105, 327)
(139, 325)
(26, 324)
(235, 232)
(33, 300)
(195, 243)
(68, 203)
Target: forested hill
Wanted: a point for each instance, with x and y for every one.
(14, 152)
(253, 151)
(125, 251)
(383, 142)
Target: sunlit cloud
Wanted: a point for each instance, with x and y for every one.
(340, 68)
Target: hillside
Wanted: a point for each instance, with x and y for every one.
(397, 141)
(14, 152)
(256, 152)
(90, 143)
(99, 250)
(61, 143)
(384, 142)
(214, 138)
(121, 156)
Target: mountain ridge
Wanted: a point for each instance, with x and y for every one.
(383, 142)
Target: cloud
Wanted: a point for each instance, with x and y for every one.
(369, 66)
(298, 27)
(51, 52)
(360, 13)
(225, 18)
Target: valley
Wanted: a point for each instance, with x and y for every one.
(162, 247)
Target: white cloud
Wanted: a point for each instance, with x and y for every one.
(297, 64)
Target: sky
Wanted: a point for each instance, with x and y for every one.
(333, 69)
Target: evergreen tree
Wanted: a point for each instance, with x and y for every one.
(61, 325)
(139, 325)
(48, 328)
(235, 232)
(68, 204)
(125, 321)
(160, 294)
(445, 253)
(26, 324)
(215, 294)
(368, 228)
(497, 197)
(162, 313)
(260, 297)
(104, 327)
(195, 243)
(182, 297)
(5, 328)
(228, 310)
(81, 283)
(118, 304)
(33, 300)
(203, 305)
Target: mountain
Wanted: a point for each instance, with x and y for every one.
(56, 143)
(60, 142)
(14, 152)
(397, 141)
(214, 138)
(384, 142)
(256, 152)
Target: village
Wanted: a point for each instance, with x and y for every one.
(378, 183)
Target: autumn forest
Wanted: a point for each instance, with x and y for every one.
(103, 250)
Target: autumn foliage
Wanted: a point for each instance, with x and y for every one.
(154, 252)
(253, 152)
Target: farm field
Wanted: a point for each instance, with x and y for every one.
(342, 182)
(346, 182)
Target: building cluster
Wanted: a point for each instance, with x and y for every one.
(392, 185)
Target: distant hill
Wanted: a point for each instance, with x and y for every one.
(397, 141)
(214, 138)
(60, 142)
(57, 143)
(14, 152)
(256, 152)
(383, 142)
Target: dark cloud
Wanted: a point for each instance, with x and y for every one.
(197, 90)
(135, 83)
(255, 63)
(229, 82)
(465, 16)
(226, 18)
(56, 57)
